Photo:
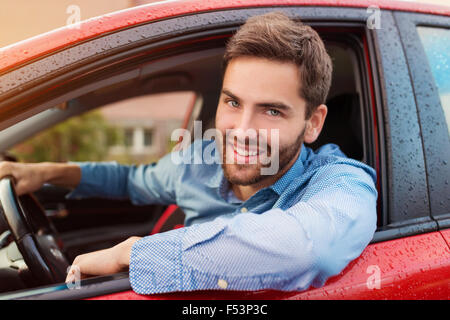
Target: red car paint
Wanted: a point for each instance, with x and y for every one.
(166, 214)
(446, 235)
(27, 50)
(425, 276)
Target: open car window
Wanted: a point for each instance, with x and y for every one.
(135, 130)
(130, 115)
(344, 124)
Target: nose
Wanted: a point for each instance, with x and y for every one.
(245, 128)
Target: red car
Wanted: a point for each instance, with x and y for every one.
(389, 107)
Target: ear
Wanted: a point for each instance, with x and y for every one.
(315, 123)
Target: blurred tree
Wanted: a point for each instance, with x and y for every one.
(83, 138)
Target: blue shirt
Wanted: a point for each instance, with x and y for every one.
(303, 229)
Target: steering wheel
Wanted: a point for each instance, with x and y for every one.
(35, 235)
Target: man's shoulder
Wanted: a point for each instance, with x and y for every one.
(330, 160)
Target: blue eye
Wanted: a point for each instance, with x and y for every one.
(274, 113)
(233, 103)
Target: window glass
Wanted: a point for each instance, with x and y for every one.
(148, 137)
(128, 137)
(135, 130)
(436, 42)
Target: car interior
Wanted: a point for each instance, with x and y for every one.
(93, 224)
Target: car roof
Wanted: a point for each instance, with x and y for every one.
(24, 51)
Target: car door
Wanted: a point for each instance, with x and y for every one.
(427, 39)
(408, 257)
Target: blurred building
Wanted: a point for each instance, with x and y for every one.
(23, 19)
(146, 124)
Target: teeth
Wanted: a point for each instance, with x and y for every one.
(245, 153)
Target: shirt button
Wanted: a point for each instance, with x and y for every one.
(222, 284)
(244, 209)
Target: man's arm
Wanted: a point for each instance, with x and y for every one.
(284, 250)
(144, 184)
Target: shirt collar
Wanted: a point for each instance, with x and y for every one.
(295, 171)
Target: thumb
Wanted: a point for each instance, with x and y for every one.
(23, 187)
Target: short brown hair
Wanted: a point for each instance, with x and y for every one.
(275, 36)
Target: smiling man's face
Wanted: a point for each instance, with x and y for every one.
(260, 95)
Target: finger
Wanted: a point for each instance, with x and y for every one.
(70, 278)
(4, 169)
(72, 273)
(20, 189)
(25, 186)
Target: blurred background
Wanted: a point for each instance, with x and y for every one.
(22, 19)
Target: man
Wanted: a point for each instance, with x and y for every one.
(244, 230)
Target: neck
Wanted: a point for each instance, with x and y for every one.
(245, 192)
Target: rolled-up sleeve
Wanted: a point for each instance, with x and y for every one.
(144, 184)
(291, 249)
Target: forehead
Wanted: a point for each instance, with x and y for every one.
(261, 79)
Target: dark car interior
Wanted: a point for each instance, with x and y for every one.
(93, 224)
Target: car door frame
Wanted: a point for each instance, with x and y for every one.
(435, 135)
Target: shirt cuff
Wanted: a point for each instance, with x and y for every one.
(155, 263)
(78, 192)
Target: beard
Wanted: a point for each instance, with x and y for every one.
(249, 174)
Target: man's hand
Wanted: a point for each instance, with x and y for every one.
(31, 176)
(103, 262)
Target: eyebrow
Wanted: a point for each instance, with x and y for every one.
(274, 104)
